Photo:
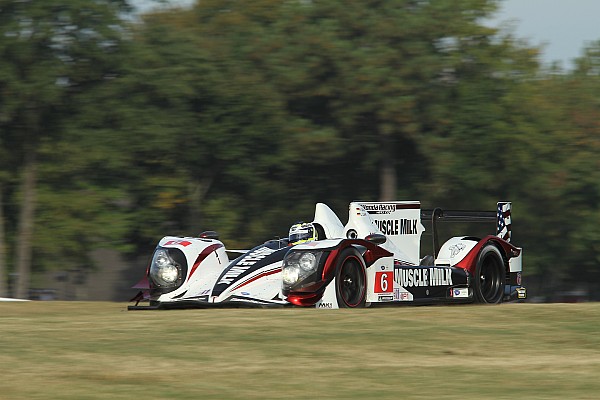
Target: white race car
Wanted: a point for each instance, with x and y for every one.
(372, 260)
(375, 259)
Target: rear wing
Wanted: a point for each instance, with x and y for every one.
(502, 216)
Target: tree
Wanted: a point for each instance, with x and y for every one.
(373, 76)
(575, 180)
(182, 121)
(4, 178)
(3, 265)
(364, 88)
(50, 51)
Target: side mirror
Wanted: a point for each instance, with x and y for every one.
(209, 235)
(376, 238)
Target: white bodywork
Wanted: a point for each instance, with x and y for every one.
(454, 250)
(515, 264)
(329, 299)
(399, 221)
(265, 283)
(330, 222)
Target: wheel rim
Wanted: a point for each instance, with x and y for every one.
(351, 283)
(490, 279)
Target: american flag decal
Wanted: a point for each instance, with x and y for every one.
(504, 221)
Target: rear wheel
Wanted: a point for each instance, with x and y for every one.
(489, 276)
(350, 278)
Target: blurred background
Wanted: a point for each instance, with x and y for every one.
(122, 122)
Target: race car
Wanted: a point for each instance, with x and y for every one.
(374, 259)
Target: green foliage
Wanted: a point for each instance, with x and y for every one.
(51, 55)
(239, 116)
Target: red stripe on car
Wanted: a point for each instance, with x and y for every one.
(266, 273)
(202, 256)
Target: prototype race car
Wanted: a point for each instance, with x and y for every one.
(373, 260)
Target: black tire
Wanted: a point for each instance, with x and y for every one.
(490, 276)
(350, 279)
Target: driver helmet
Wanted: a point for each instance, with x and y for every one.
(302, 232)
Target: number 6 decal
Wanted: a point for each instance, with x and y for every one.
(384, 282)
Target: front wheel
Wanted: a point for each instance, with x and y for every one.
(489, 276)
(350, 278)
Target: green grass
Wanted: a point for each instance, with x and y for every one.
(73, 350)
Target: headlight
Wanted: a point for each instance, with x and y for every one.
(290, 275)
(299, 265)
(169, 274)
(164, 271)
(308, 262)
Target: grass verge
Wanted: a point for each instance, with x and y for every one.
(95, 350)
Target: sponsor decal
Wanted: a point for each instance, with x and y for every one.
(360, 212)
(386, 298)
(459, 292)
(396, 227)
(388, 208)
(379, 208)
(183, 243)
(311, 244)
(384, 282)
(402, 295)
(457, 248)
(325, 305)
(247, 262)
(417, 277)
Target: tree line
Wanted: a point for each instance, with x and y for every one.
(239, 116)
